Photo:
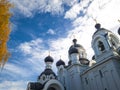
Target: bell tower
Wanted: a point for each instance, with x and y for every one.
(104, 43)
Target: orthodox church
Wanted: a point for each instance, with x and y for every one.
(100, 73)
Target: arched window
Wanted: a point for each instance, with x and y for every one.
(114, 41)
(43, 78)
(101, 46)
(50, 77)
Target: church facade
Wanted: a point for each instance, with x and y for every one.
(100, 73)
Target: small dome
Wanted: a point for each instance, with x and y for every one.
(75, 44)
(74, 41)
(60, 62)
(98, 26)
(48, 59)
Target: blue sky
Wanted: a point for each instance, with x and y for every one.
(40, 26)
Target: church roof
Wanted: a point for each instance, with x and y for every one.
(48, 72)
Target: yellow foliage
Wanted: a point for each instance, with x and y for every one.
(4, 30)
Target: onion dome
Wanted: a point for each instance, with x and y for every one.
(84, 61)
(60, 62)
(48, 59)
(75, 48)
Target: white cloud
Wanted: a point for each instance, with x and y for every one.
(76, 9)
(105, 12)
(70, 2)
(13, 85)
(73, 12)
(51, 31)
(37, 50)
(27, 47)
(83, 30)
(16, 70)
(29, 7)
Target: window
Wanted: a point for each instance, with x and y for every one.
(64, 80)
(112, 41)
(86, 80)
(101, 46)
(105, 88)
(43, 77)
(51, 77)
(101, 74)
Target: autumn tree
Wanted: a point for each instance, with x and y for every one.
(4, 31)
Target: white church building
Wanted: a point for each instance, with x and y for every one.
(100, 73)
